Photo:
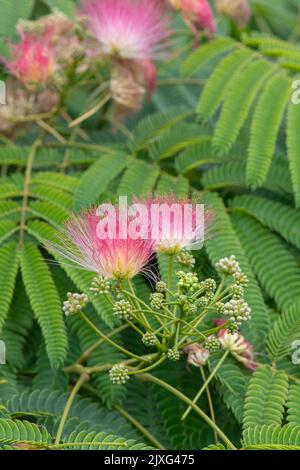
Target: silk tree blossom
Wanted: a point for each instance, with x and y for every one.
(114, 257)
(127, 29)
(33, 61)
(238, 346)
(177, 224)
(132, 34)
(197, 14)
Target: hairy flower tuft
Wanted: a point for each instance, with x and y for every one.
(113, 256)
(127, 29)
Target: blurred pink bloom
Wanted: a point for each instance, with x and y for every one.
(197, 355)
(178, 223)
(197, 14)
(128, 29)
(33, 60)
(132, 33)
(238, 346)
(238, 10)
(115, 256)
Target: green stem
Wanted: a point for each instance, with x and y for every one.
(206, 383)
(86, 354)
(170, 274)
(210, 402)
(146, 369)
(83, 378)
(139, 427)
(184, 398)
(106, 338)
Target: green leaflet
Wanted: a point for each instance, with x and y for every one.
(45, 302)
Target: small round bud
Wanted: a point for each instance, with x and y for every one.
(232, 328)
(240, 279)
(182, 298)
(220, 307)
(75, 303)
(238, 310)
(190, 308)
(119, 374)
(186, 259)
(237, 291)
(203, 301)
(100, 285)
(123, 310)
(149, 339)
(160, 287)
(187, 281)
(228, 265)
(173, 354)
(212, 344)
(156, 300)
(210, 285)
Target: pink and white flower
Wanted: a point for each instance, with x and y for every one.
(177, 223)
(127, 29)
(197, 14)
(33, 60)
(114, 257)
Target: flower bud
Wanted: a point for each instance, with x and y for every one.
(197, 355)
(75, 303)
(119, 374)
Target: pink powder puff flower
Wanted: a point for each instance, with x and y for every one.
(197, 14)
(238, 346)
(177, 223)
(127, 29)
(33, 60)
(113, 256)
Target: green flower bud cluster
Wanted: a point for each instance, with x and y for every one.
(190, 308)
(228, 265)
(237, 291)
(220, 307)
(173, 354)
(156, 300)
(240, 279)
(205, 300)
(123, 310)
(232, 328)
(149, 339)
(160, 287)
(238, 310)
(100, 285)
(212, 344)
(186, 259)
(75, 303)
(210, 285)
(119, 374)
(187, 281)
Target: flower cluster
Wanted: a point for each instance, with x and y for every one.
(197, 14)
(115, 254)
(75, 303)
(176, 316)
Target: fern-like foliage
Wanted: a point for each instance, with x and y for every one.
(265, 398)
(45, 302)
(245, 81)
